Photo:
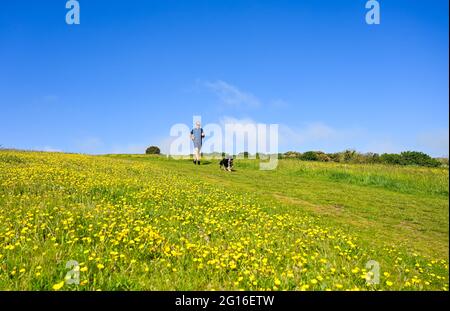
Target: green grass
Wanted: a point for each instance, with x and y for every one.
(386, 204)
(138, 222)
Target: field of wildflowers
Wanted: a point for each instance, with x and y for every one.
(140, 225)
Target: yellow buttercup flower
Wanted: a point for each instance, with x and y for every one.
(58, 286)
(124, 216)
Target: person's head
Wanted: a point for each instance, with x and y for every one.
(197, 124)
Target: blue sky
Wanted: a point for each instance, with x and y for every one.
(118, 81)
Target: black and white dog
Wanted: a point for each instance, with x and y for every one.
(226, 164)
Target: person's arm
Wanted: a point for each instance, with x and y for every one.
(192, 134)
(203, 134)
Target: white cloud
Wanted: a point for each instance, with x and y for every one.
(49, 149)
(312, 132)
(318, 136)
(164, 144)
(383, 146)
(232, 96)
(435, 142)
(129, 148)
(311, 136)
(95, 145)
(242, 143)
(232, 120)
(90, 145)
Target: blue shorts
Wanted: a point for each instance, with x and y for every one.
(197, 145)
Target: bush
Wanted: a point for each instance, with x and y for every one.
(292, 155)
(335, 157)
(314, 156)
(409, 158)
(265, 156)
(443, 161)
(372, 157)
(349, 155)
(309, 156)
(352, 156)
(391, 158)
(418, 158)
(323, 157)
(152, 150)
(243, 155)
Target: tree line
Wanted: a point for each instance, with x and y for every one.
(352, 156)
(347, 156)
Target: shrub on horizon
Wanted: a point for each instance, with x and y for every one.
(153, 150)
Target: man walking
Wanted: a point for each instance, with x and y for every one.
(197, 137)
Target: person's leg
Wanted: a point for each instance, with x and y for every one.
(195, 155)
(198, 155)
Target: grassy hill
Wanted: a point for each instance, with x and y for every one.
(151, 223)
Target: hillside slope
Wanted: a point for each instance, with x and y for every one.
(149, 223)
